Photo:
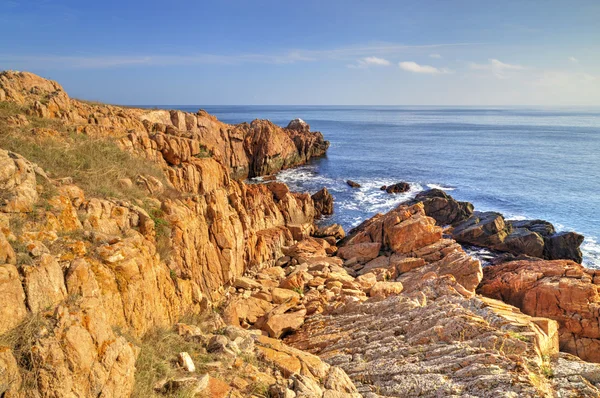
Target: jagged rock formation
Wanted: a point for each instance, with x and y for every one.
(442, 207)
(422, 331)
(560, 290)
(102, 263)
(535, 238)
(399, 187)
(170, 137)
(323, 202)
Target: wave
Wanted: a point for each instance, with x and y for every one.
(591, 253)
(354, 205)
(438, 186)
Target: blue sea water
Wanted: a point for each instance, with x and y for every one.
(523, 162)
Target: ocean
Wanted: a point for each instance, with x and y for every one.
(527, 163)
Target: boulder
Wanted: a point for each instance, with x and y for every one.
(399, 187)
(563, 245)
(243, 282)
(443, 207)
(486, 229)
(334, 230)
(361, 251)
(544, 228)
(18, 192)
(402, 230)
(12, 310)
(186, 362)
(323, 202)
(282, 295)
(522, 241)
(353, 184)
(279, 189)
(279, 324)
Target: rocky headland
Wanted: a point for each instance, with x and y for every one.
(135, 261)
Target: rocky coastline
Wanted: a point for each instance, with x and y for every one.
(135, 261)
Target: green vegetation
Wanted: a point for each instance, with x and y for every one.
(518, 336)
(157, 360)
(204, 152)
(163, 234)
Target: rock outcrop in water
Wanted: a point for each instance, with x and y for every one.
(535, 238)
(399, 187)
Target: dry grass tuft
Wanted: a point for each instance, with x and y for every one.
(21, 341)
(158, 360)
(95, 164)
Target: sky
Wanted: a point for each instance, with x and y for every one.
(334, 52)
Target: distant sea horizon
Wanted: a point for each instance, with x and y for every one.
(527, 162)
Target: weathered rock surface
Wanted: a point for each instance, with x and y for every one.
(334, 230)
(323, 202)
(442, 207)
(395, 308)
(353, 184)
(560, 290)
(105, 252)
(407, 345)
(535, 238)
(247, 149)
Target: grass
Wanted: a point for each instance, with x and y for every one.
(95, 164)
(158, 360)
(163, 234)
(204, 152)
(547, 371)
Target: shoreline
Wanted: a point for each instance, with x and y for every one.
(590, 246)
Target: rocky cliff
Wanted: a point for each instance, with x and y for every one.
(153, 236)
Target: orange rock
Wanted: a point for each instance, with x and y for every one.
(382, 290)
(365, 251)
(561, 290)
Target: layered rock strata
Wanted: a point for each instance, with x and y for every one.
(560, 290)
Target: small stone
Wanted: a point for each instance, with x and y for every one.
(217, 343)
(185, 360)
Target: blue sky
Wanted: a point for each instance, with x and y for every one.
(310, 52)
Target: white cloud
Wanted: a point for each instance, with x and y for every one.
(372, 54)
(498, 68)
(438, 56)
(369, 61)
(574, 60)
(414, 67)
(376, 61)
